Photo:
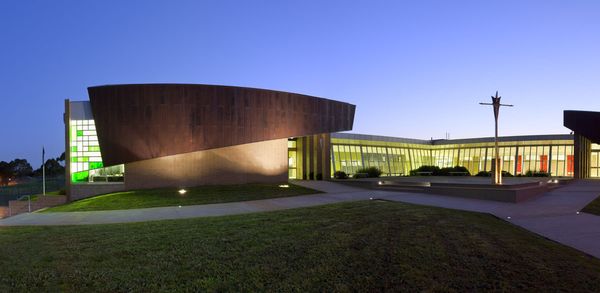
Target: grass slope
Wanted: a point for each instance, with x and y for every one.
(360, 246)
(593, 207)
(170, 197)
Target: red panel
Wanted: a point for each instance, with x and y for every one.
(519, 164)
(570, 165)
(544, 163)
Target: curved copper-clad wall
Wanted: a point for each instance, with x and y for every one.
(145, 121)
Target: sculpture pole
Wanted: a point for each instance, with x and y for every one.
(497, 178)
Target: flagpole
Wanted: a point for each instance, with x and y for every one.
(43, 172)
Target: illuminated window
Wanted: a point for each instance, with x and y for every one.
(85, 155)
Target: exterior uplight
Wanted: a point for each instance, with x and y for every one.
(182, 191)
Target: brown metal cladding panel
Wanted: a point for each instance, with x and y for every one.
(144, 121)
(584, 123)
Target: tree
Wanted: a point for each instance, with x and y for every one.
(61, 158)
(5, 173)
(53, 168)
(20, 168)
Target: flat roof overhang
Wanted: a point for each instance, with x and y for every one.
(585, 123)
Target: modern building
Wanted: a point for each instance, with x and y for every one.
(586, 129)
(176, 135)
(397, 156)
(161, 135)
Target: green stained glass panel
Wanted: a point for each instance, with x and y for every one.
(80, 176)
(96, 165)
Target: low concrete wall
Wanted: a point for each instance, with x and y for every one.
(4, 212)
(84, 190)
(16, 207)
(514, 193)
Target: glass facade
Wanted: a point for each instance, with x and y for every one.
(85, 156)
(397, 156)
(84, 148)
(595, 161)
(292, 159)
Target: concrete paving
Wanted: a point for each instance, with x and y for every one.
(553, 215)
(165, 213)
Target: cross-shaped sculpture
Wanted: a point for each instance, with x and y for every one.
(497, 178)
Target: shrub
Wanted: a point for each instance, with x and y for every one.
(436, 171)
(489, 174)
(530, 173)
(433, 169)
(446, 171)
(340, 175)
(372, 172)
(484, 174)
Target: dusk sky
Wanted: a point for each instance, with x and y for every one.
(413, 68)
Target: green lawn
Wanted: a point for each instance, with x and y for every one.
(359, 246)
(171, 197)
(35, 197)
(593, 207)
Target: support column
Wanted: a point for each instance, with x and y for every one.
(326, 156)
(66, 120)
(582, 152)
(304, 171)
(315, 153)
(311, 157)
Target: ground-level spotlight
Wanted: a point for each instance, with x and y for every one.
(380, 182)
(508, 217)
(284, 186)
(182, 191)
(577, 213)
(179, 206)
(370, 198)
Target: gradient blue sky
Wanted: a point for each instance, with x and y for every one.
(414, 69)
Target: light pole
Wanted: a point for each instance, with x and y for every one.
(497, 178)
(43, 172)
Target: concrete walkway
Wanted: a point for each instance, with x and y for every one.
(337, 193)
(554, 215)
